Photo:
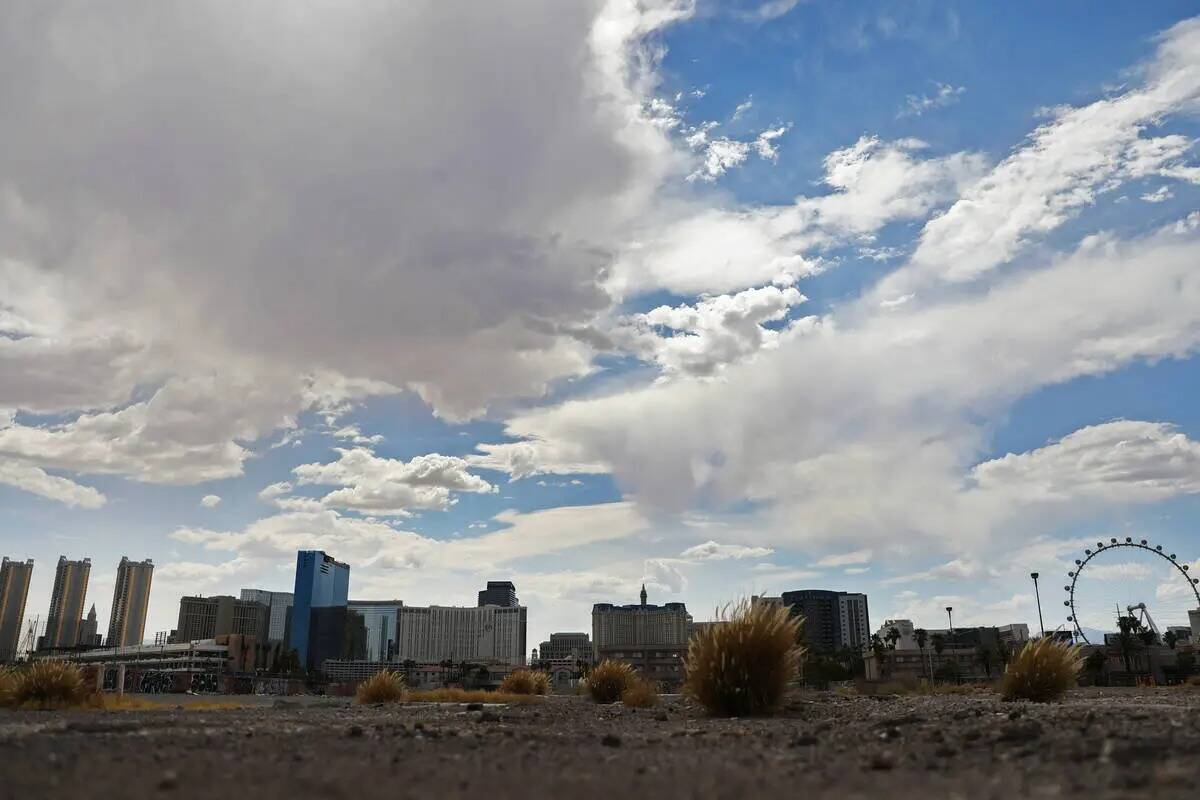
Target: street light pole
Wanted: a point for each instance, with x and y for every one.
(950, 616)
(1037, 595)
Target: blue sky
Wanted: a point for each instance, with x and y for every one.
(725, 298)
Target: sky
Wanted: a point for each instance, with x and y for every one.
(725, 298)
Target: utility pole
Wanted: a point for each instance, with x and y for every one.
(1038, 596)
(950, 616)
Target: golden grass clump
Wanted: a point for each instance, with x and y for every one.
(609, 680)
(640, 694)
(1042, 671)
(382, 687)
(525, 681)
(454, 695)
(742, 665)
(8, 685)
(50, 683)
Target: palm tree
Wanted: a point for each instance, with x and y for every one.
(984, 655)
(939, 644)
(893, 636)
(878, 648)
(922, 637)
(1127, 638)
(1170, 638)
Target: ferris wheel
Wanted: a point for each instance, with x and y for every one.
(1073, 590)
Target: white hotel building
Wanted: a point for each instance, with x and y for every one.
(431, 634)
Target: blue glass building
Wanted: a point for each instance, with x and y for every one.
(321, 582)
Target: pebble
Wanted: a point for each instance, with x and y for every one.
(169, 780)
(354, 732)
(610, 740)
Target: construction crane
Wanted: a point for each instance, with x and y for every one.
(1145, 617)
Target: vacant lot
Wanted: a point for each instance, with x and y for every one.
(1099, 743)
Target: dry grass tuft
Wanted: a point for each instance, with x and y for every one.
(8, 685)
(743, 666)
(525, 681)
(1042, 671)
(382, 687)
(609, 679)
(50, 683)
(469, 696)
(640, 694)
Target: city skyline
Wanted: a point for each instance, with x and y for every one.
(729, 299)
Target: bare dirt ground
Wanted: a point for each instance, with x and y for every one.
(1099, 743)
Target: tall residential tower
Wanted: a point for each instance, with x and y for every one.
(66, 603)
(14, 591)
(131, 598)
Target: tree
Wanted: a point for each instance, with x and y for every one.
(1170, 638)
(893, 636)
(1185, 663)
(939, 644)
(984, 654)
(922, 637)
(879, 649)
(1127, 638)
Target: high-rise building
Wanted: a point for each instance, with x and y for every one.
(89, 629)
(14, 591)
(66, 603)
(279, 603)
(642, 625)
(131, 598)
(429, 635)
(203, 618)
(321, 582)
(379, 617)
(567, 647)
(499, 593)
(1194, 622)
(335, 633)
(832, 620)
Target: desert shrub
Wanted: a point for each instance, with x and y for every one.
(50, 683)
(382, 687)
(1042, 671)
(609, 679)
(525, 681)
(744, 666)
(8, 685)
(640, 694)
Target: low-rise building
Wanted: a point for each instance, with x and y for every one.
(203, 618)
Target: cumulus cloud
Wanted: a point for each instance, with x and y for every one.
(704, 337)
(712, 551)
(210, 501)
(53, 487)
(1115, 462)
(1066, 163)
(231, 253)
(718, 250)
(917, 104)
(391, 487)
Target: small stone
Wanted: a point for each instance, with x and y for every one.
(890, 733)
(661, 716)
(168, 781)
(474, 706)
(354, 732)
(882, 761)
(1020, 731)
(610, 740)
(804, 740)
(488, 716)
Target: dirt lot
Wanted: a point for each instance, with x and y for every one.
(1099, 743)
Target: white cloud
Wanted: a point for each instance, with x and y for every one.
(1066, 163)
(1159, 195)
(36, 480)
(716, 250)
(770, 9)
(715, 332)
(712, 551)
(917, 104)
(210, 501)
(1115, 462)
(845, 559)
(391, 487)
